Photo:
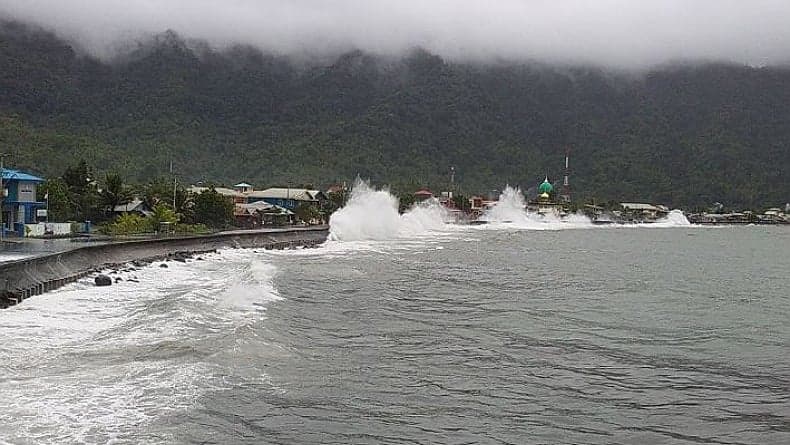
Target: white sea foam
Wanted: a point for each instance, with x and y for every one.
(510, 211)
(254, 288)
(675, 218)
(372, 214)
(87, 364)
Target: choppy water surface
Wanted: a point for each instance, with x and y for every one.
(615, 335)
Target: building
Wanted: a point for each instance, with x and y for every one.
(639, 212)
(544, 204)
(261, 213)
(289, 198)
(233, 194)
(423, 195)
(243, 187)
(136, 206)
(19, 204)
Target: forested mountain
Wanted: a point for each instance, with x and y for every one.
(683, 135)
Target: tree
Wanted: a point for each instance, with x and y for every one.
(160, 191)
(336, 200)
(83, 195)
(115, 192)
(162, 214)
(462, 202)
(56, 192)
(212, 209)
(307, 212)
(406, 201)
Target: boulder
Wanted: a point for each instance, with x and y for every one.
(102, 280)
(163, 265)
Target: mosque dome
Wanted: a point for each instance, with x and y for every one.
(545, 187)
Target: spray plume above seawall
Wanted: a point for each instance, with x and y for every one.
(615, 33)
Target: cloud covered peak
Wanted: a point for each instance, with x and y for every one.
(614, 33)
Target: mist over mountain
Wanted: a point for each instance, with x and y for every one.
(623, 34)
(684, 134)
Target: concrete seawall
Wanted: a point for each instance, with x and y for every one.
(24, 278)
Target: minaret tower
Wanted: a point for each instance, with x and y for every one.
(565, 196)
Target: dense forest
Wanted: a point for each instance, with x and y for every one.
(685, 135)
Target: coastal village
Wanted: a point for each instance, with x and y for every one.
(26, 210)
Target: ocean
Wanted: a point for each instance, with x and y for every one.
(403, 329)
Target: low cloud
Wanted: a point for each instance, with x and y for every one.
(615, 33)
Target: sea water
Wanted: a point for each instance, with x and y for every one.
(419, 332)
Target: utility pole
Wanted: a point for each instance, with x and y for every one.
(566, 186)
(452, 180)
(2, 194)
(175, 185)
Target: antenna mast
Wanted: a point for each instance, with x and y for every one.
(565, 196)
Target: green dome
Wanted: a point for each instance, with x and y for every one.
(546, 187)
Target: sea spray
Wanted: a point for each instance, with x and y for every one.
(372, 214)
(511, 211)
(675, 218)
(510, 208)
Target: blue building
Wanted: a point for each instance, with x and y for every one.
(19, 203)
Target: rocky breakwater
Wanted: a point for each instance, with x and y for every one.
(24, 278)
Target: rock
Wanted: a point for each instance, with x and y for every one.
(102, 280)
(163, 265)
(117, 279)
(180, 259)
(200, 258)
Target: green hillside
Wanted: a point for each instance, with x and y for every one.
(683, 135)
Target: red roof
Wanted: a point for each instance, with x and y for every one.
(423, 192)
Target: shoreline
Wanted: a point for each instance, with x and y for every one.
(23, 278)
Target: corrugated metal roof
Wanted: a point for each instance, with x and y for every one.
(16, 175)
(261, 206)
(287, 193)
(221, 190)
(639, 206)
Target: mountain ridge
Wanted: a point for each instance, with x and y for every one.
(685, 135)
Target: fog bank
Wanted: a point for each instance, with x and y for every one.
(616, 33)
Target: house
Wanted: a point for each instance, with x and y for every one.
(289, 198)
(476, 203)
(641, 211)
(422, 195)
(243, 188)
(19, 204)
(232, 194)
(261, 213)
(136, 206)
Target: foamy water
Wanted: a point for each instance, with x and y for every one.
(510, 212)
(83, 364)
(436, 322)
(372, 214)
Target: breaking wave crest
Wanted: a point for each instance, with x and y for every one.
(673, 219)
(372, 214)
(511, 211)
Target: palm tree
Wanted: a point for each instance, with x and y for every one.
(115, 192)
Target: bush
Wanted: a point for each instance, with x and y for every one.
(127, 224)
(196, 229)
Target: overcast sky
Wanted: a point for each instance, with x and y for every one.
(618, 33)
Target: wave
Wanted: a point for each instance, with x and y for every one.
(510, 211)
(675, 218)
(372, 215)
